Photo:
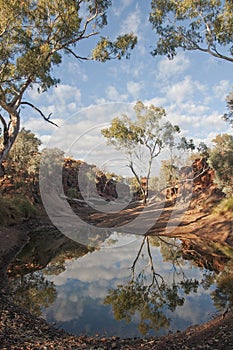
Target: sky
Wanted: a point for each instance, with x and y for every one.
(192, 88)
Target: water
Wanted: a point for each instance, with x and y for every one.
(129, 286)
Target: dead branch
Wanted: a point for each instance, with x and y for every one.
(47, 119)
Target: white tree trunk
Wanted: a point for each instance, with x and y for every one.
(10, 133)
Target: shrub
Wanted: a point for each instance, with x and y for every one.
(14, 209)
(225, 206)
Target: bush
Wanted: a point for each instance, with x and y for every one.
(225, 206)
(72, 192)
(15, 209)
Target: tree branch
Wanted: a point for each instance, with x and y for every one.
(195, 46)
(76, 56)
(47, 119)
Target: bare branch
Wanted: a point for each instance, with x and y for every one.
(47, 119)
(138, 254)
(76, 56)
(155, 274)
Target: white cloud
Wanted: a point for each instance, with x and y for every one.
(168, 69)
(134, 88)
(126, 68)
(113, 94)
(61, 101)
(63, 93)
(183, 90)
(157, 101)
(132, 23)
(77, 71)
(222, 89)
(122, 6)
(39, 125)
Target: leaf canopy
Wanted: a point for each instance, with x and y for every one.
(205, 25)
(35, 34)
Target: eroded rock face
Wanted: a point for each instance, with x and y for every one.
(203, 175)
(106, 188)
(92, 181)
(193, 181)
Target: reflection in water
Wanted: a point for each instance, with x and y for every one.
(150, 286)
(34, 292)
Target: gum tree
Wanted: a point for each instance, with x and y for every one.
(206, 26)
(34, 35)
(141, 139)
(229, 115)
(221, 158)
(193, 25)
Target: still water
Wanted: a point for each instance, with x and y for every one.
(127, 286)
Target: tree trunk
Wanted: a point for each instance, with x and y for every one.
(10, 133)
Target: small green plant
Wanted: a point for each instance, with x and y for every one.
(72, 192)
(25, 208)
(225, 206)
(15, 209)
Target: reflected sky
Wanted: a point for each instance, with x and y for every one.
(82, 288)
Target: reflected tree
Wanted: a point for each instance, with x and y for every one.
(149, 295)
(223, 294)
(48, 250)
(33, 292)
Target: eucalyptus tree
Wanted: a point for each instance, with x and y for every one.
(206, 26)
(221, 158)
(24, 156)
(142, 138)
(229, 115)
(33, 37)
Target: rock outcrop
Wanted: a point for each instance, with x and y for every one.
(194, 181)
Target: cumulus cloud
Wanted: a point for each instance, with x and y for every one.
(222, 89)
(168, 69)
(132, 23)
(61, 101)
(63, 93)
(113, 94)
(183, 90)
(134, 88)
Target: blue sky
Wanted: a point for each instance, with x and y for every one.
(192, 88)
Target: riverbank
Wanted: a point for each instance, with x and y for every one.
(21, 330)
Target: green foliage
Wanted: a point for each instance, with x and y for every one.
(168, 174)
(223, 294)
(34, 34)
(51, 163)
(72, 192)
(221, 157)
(225, 206)
(15, 209)
(24, 155)
(106, 50)
(205, 25)
(203, 150)
(33, 292)
(135, 298)
(229, 116)
(185, 144)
